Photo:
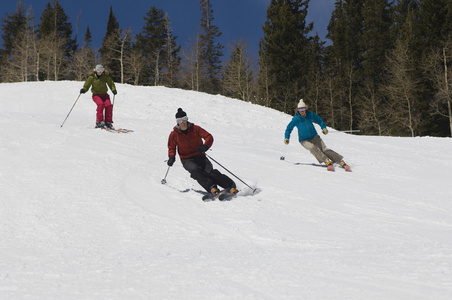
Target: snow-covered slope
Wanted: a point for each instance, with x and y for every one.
(83, 213)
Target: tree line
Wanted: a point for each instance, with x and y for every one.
(387, 70)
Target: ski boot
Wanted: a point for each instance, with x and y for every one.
(345, 166)
(329, 165)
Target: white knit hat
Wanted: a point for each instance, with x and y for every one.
(301, 103)
(99, 68)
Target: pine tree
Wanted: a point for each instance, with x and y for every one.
(283, 53)
(55, 22)
(376, 41)
(345, 30)
(158, 45)
(12, 26)
(210, 52)
(88, 38)
(151, 42)
(315, 77)
(111, 47)
(435, 22)
(56, 43)
(18, 64)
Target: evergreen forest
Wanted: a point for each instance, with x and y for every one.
(386, 70)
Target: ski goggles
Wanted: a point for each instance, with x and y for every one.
(301, 109)
(181, 120)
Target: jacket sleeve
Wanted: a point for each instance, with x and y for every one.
(289, 129)
(208, 138)
(172, 144)
(111, 84)
(88, 83)
(317, 119)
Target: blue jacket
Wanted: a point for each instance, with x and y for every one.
(306, 130)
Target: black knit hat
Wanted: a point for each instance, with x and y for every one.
(180, 113)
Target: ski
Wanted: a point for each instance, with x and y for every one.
(344, 166)
(210, 197)
(120, 130)
(347, 168)
(227, 196)
(222, 195)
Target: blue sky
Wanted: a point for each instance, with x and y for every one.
(236, 19)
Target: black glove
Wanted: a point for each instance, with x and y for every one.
(171, 160)
(202, 149)
(82, 91)
(115, 92)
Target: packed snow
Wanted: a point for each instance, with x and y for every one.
(84, 214)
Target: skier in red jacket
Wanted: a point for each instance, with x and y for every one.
(188, 138)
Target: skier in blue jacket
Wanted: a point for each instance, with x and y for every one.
(310, 140)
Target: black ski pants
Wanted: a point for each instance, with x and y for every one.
(202, 171)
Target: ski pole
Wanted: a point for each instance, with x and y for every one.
(346, 131)
(164, 179)
(230, 172)
(71, 110)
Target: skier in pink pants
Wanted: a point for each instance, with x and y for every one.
(99, 81)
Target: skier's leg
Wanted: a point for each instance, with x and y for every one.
(222, 180)
(332, 155)
(108, 111)
(100, 108)
(314, 149)
(218, 178)
(197, 173)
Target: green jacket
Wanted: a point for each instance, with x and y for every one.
(99, 84)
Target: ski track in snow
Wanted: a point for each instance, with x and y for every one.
(84, 214)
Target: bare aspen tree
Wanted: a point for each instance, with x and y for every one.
(436, 67)
(265, 80)
(374, 112)
(116, 48)
(401, 90)
(83, 61)
(14, 67)
(191, 65)
(19, 64)
(350, 92)
(156, 58)
(237, 76)
(35, 48)
(135, 66)
(316, 90)
(51, 49)
(172, 60)
(331, 95)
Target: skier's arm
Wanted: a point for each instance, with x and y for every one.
(88, 83)
(206, 136)
(111, 85)
(171, 145)
(289, 129)
(317, 119)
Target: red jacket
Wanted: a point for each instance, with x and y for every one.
(187, 143)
